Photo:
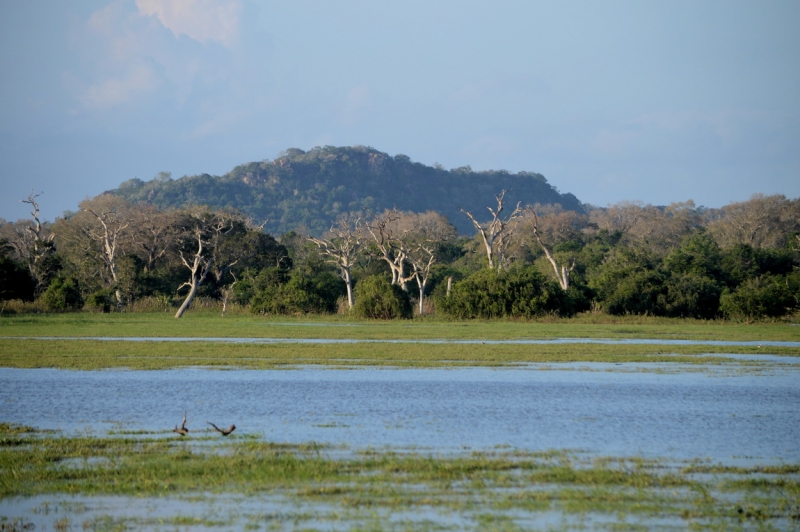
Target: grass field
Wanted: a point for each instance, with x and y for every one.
(20, 347)
(204, 324)
(97, 354)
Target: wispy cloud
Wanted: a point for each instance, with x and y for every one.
(129, 50)
(201, 20)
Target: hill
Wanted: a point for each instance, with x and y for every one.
(311, 188)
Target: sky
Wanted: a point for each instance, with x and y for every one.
(651, 101)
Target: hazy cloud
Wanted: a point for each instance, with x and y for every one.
(613, 141)
(490, 146)
(356, 104)
(201, 20)
(139, 79)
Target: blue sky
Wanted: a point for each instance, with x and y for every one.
(637, 100)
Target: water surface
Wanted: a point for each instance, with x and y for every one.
(724, 417)
(523, 341)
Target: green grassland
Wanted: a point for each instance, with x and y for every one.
(485, 490)
(101, 354)
(206, 324)
(21, 344)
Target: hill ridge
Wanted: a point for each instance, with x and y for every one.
(310, 188)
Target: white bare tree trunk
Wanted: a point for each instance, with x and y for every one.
(189, 298)
(421, 285)
(349, 282)
(345, 241)
(497, 233)
(199, 269)
(562, 272)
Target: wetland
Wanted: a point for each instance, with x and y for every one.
(466, 430)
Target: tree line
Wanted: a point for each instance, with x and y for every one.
(740, 261)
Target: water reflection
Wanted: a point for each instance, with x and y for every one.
(682, 415)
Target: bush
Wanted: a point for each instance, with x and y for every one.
(519, 293)
(62, 294)
(15, 281)
(284, 299)
(376, 298)
(692, 296)
(768, 296)
(277, 293)
(629, 282)
(100, 301)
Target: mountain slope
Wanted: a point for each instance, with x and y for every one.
(311, 188)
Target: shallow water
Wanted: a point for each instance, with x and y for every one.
(608, 341)
(722, 416)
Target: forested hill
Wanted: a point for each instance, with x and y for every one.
(311, 188)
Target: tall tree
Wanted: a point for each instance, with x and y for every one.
(153, 233)
(760, 222)
(658, 229)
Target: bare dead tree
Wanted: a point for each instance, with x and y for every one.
(496, 234)
(344, 240)
(421, 238)
(31, 242)
(422, 258)
(153, 233)
(388, 239)
(206, 233)
(112, 216)
(562, 272)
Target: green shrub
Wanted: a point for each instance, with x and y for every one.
(629, 282)
(692, 295)
(520, 293)
(15, 281)
(377, 298)
(283, 299)
(275, 292)
(768, 296)
(100, 301)
(62, 294)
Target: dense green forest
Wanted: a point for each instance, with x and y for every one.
(741, 261)
(310, 189)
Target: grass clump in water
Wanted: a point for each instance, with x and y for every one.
(507, 487)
